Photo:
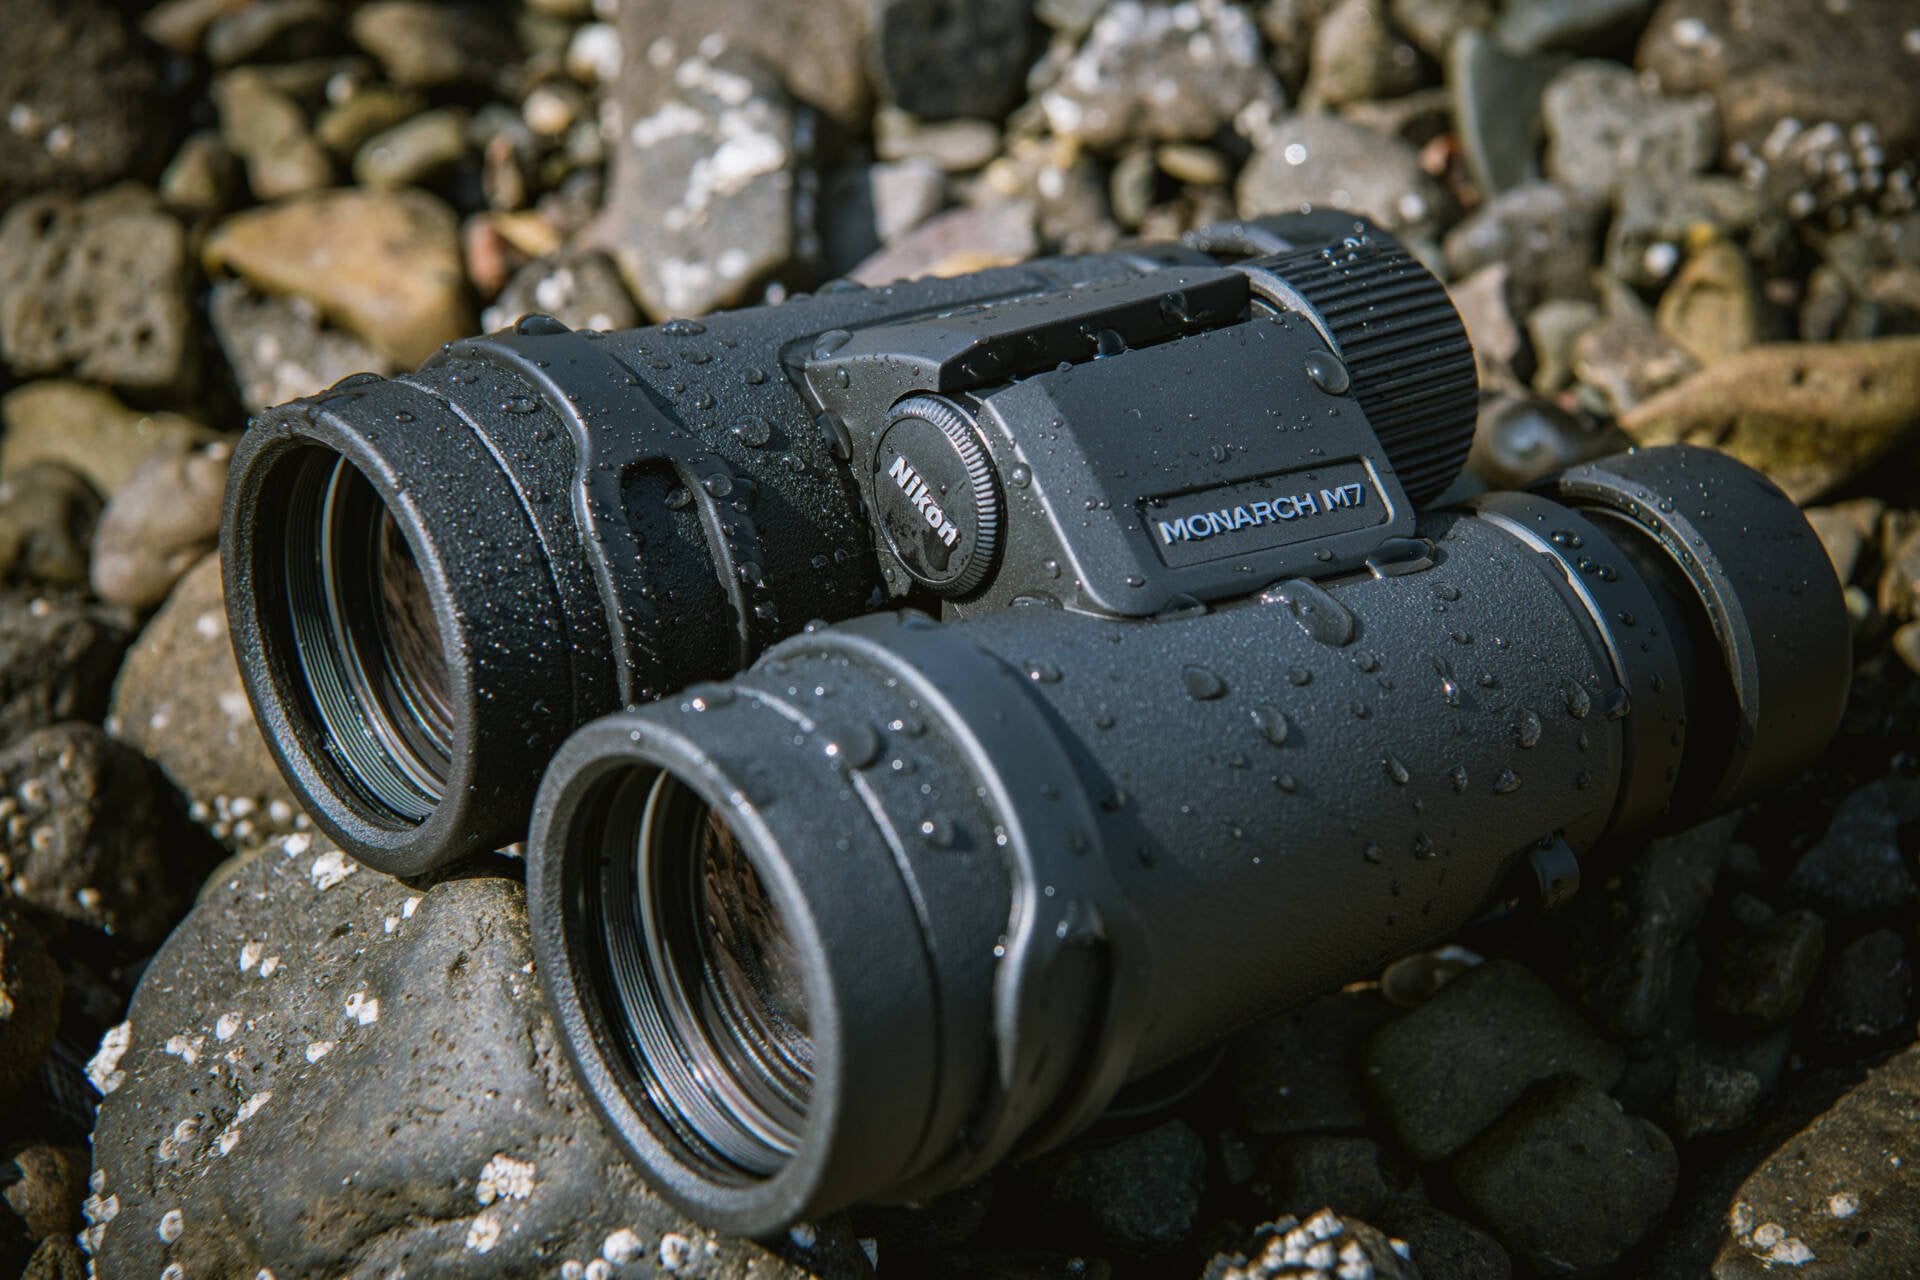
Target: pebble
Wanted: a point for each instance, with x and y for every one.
(1764, 972)
(46, 1186)
(1441, 1073)
(267, 129)
(821, 48)
(364, 113)
(58, 656)
(279, 348)
(47, 516)
(1625, 360)
(1711, 1096)
(424, 45)
(99, 288)
(1141, 1191)
(1566, 1180)
(956, 146)
(1443, 1246)
(1859, 867)
(203, 178)
(954, 242)
(1433, 25)
(271, 31)
(414, 151)
(579, 288)
(1866, 994)
(1345, 1172)
(1713, 307)
(943, 61)
(1495, 96)
(1326, 161)
(1845, 529)
(159, 524)
(1484, 301)
(30, 987)
(1518, 439)
(1655, 221)
(385, 265)
(1553, 332)
(1358, 55)
(1573, 26)
(1604, 126)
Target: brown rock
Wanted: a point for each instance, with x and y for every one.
(267, 129)
(1713, 309)
(159, 524)
(1812, 417)
(87, 429)
(951, 244)
(383, 264)
(29, 1001)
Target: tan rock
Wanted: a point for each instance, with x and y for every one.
(1811, 416)
(1713, 308)
(384, 264)
(87, 429)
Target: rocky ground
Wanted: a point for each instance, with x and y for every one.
(1691, 219)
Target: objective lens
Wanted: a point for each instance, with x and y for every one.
(366, 640)
(701, 976)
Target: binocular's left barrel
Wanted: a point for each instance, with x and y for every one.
(904, 899)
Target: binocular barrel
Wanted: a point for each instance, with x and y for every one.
(905, 898)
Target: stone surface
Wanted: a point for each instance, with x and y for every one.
(385, 265)
(98, 287)
(955, 242)
(1713, 307)
(581, 289)
(29, 1001)
(1603, 126)
(1359, 55)
(87, 429)
(1344, 1172)
(1165, 72)
(1866, 994)
(1812, 417)
(412, 151)
(1839, 1198)
(1141, 1191)
(1765, 972)
(1327, 161)
(821, 48)
(1859, 867)
(1710, 1096)
(1323, 1245)
(1300, 1071)
(84, 99)
(57, 659)
(46, 1184)
(941, 61)
(179, 700)
(93, 834)
(421, 44)
(1624, 359)
(1441, 1073)
(266, 128)
(47, 516)
(159, 524)
(701, 206)
(1441, 1245)
(1576, 26)
(280, 348)
(395, 1037)
(1566, 1179)
(1655, 220)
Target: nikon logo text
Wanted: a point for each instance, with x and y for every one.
(1251, 515)
(922, 499)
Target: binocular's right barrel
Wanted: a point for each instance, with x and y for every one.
(903, 898)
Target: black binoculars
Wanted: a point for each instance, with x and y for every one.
(1171, 695)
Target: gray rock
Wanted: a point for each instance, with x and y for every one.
(990, 235)
(1547, 237)
(365, 111)
(1625, 939)
(1574, 26)
(1300, 1071)
(92, 834)
(57, 659)
(1710, 1096)
(1566, 1179)
(943, 61)
(279, 348)
(159, 524)
(29, 1001)
(579, 288)
(1604, 126)
(1859, 867)
(85, 103)
(57, 1258)
(1289, 26)
(1518, 439)
(1326, 161)
(1442, 1246)
(1496, 110)
(1485, 303)
(413, 151)
(1845, 530)
(1140, 1192)
(179, 700)
(272, 31)
(1653, 221)
(1162, 72)
(1838, 1198)
(1311, 1171)
(905, 193)
(1624, 359)
(42, 1201)
(1433, 24)
(1324, 1245)
(203, 178)
(47, 516)
(1764, 972)
(1065, 186)
(426, 45)
(1866, 994)
(1443, 1072)
(955, 146)
(100, 288)
(395, 1038)
(1553, 330)
(1358, 55)
(688, 246)
(820, 48)
(267, 129)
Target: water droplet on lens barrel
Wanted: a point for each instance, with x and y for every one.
(683, 328)
(1617, 704)
(1043, 672)
(1458, 777)
(851, 745)
(1507, 783)
(829, 342)
(1527, 733)
(1202, 684)
(1272, 722)
(1396, 770)
(1299, 676)
(1579, 701)
(1326, 372)
(519, 404)
(937, 831)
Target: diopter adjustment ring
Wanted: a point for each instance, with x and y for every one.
(1406, 350)
(936, 501)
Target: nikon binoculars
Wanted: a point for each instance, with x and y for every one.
(1178, 698)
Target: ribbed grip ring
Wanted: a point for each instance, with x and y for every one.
(1404, 346)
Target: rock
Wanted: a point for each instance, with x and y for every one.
(943, 61)
(1711, 1096)
(1859, 868)
(1840, 1194)
(1769, 61)
(821, 49)
(1866, 994)
(1845, 530)
(424, 45)
(1193, 164)
(57, 659)
(1441, 1073)
(1139, 1192)
(1574, 26)
(1496, 96)
(1623, 941)
(1764, 972)
(86, 102)
(1323, 160)
(956, 146)
(1553, 332)
(57, 1259)
(1164, 73)
(180, 701)
(413, 151)
(44, 1189)
(1654, 221)
(904, 194)
(1604, 126)
(1899, 593)
(279, 349)
(1518, 439)
(1442, 1246)
(266, 128)
(1484, 302)
(203, 177)
(100, 288)
(1324, 1245)
(701, 205)
(368, 111)
(47, 515)
(1310, 1171)
(1811, 417)
(272, 31)
(385, 265)
(1065, 186)
(159, 524)
(1625, 359)
(1547, 238)
(1299, 1071)
(1905, 643)
(93, 835)
(29, 1001)
(394, 1037)
(1566, 1179)
(1433, 24)
(579, 288)
(1359, 56)
(956, 242)
(1713, 307)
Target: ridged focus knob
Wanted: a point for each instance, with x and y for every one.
(1406, 350)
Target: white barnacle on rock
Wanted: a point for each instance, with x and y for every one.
(483, 1234)
(225, 1025)
(504, 1178)
(319, 1049)
(182, 1135)
(172, 1223)
(675, 1251)
(410, 906)
(803, 1235)
(188, 1051)
(622, 1247)
(330, 868)
(390, 924)
(251, 1107)
(363, 1009)
(268, 965)
(572, 1269)
(250, 952)
(1843, 1204)
(103, 1068)
(296, 844)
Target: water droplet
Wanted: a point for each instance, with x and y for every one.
(678, 498)
(1202, 685)
(752, 431)
(1286, 782)
(1108, 343)
(1050, 567)
(1460, 637)
(519, 404)
(1299, 676)
(1043, 672)
(1371, 851)
(1458, 777)
(1272, 723)
(719, 484)
(1507, 783)
(1324, 619)
(1527, 734)
(1616, 704)
(1422, 845)
(1326, 372)
(683, 328)
(1583, 779)
(1366, 660)
(937, 831)
(1021, 475)
(1449, 691)
(754, 376)
(850, 744)
(706, 697)
(1396, 770)
(1579, 701)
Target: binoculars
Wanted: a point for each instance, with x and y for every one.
(1164, 691)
